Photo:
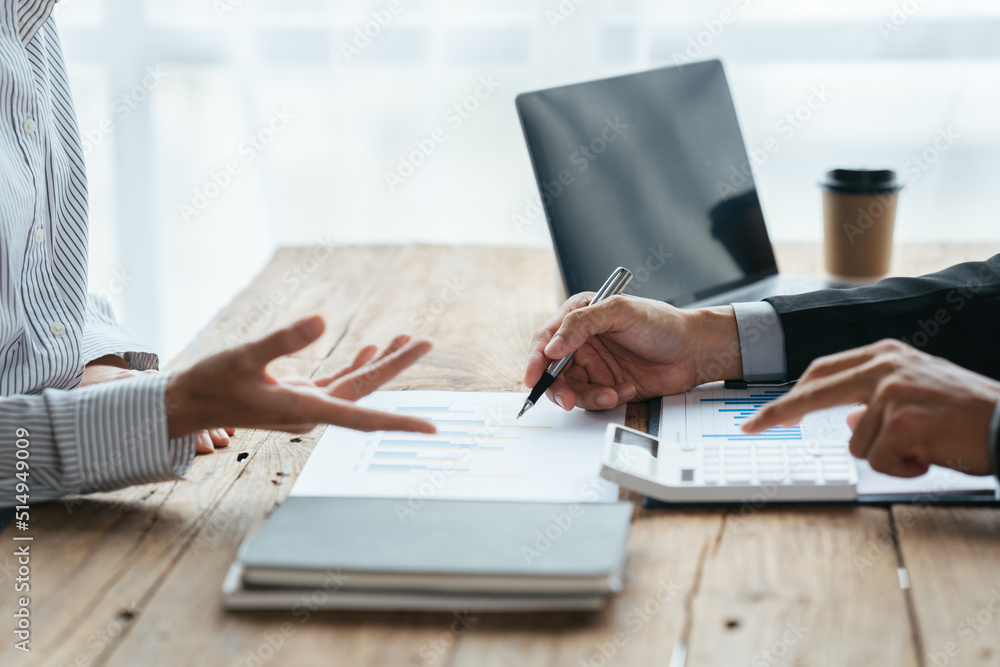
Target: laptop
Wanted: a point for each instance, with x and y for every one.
(649, 171)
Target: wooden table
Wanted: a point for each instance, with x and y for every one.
(132, 577)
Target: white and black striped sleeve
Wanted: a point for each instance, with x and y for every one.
(98, 438)
(76, 440)
(102, 336)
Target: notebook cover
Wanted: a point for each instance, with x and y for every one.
(376, 535)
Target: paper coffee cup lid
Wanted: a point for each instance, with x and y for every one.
(862, 181)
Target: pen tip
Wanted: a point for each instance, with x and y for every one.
(524, 408)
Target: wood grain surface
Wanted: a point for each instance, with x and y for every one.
(133, 577)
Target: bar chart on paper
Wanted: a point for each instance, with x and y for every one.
(713, 413)
(472, 441)
(480, 452)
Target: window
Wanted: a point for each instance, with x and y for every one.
(273, 122)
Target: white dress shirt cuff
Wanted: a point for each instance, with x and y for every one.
(762, 342)
(114, 434)
(102, 335)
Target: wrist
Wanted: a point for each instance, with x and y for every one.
(715, 339)
(181, 406)
(109, 360)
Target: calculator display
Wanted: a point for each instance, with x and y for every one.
(651, 445)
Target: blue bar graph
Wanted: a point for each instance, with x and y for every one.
(407, 467)
(466, 444)
(736, 410)
(466, 422)
(427, 443)
(431, 409)
(395, 455)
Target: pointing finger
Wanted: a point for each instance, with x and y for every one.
(850, 386)
(329, 410)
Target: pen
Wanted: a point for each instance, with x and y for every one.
(615, 283)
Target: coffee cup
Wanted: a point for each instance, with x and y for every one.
(859, 213)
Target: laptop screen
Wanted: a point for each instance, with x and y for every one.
(648, 171)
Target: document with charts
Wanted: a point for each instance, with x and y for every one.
(480, 452)
(714, 413)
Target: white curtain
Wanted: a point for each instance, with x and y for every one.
(218, 130)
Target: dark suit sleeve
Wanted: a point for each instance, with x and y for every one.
(953, 314)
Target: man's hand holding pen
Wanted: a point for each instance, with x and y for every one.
(628, 348)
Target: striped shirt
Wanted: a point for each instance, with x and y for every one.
(77, 440)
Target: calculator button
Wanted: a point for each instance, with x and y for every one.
(780, 477)
(837, 477)
(775, 463)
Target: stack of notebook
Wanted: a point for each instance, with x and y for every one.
(365, 553)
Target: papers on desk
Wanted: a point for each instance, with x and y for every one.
(714, 413)
(937, 482)
(480, 452)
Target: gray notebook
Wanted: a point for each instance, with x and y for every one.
(443, 546)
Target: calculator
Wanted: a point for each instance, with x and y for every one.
(729, 471)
